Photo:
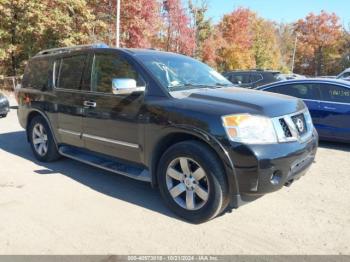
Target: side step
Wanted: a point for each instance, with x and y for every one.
(105, 163)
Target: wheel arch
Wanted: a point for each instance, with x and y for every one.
(184, 135)
(34, 113)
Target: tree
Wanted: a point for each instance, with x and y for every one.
(319, 37)
(202, 27)
(27, 27)
(236, 30)
(140, 22)
(177, 34)
(266, 51)
(286, 40)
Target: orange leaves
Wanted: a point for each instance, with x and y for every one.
(319, 38)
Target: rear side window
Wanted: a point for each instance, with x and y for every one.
(36, 74)
(335, 93)
(239, 78)
(345, 75)
(256, 78)
(69, 72)
(303, 91)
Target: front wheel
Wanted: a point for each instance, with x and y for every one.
(192, 182)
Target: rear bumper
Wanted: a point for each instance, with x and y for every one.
(262, 169)
(4, 109)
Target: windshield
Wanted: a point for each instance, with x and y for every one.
(177, 72)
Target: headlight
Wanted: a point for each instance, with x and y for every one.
(250, 129)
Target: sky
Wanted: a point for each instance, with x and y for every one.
(281, 10)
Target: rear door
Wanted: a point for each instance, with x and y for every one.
(111, 121)
(68, 77)
(335, 110)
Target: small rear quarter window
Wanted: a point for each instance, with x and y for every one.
(36, 74)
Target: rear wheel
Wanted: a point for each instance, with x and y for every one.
(3, 115)
(41, 140)
(192, 182)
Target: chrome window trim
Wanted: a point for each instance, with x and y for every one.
(112, 141)
(326, 101)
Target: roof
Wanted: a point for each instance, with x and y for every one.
(132, 51)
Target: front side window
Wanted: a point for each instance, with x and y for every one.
(109, 70)
(177, 72)
(333, 93)
(303, 91)
(68, 72)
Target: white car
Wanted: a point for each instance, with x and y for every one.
(345, 75)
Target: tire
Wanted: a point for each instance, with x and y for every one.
(48, 152)
(206, 189)
(3, 115)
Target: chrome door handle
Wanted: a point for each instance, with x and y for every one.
(89, 104)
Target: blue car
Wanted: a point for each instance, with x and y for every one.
(328, 101)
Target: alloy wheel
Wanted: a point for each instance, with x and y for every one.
(40, 141)
(187, 183)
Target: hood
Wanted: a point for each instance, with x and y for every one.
(241, 100)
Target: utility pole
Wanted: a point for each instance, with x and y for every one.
(294, 51)
(117, 31)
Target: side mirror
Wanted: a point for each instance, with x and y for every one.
(125, 85)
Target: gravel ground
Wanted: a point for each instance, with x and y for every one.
(70, 208)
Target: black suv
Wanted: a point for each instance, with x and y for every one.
(253, 78)
(166, 119)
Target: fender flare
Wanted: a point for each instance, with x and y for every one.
(47, 121)
(214, 144)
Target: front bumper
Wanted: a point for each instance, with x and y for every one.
(261, 169)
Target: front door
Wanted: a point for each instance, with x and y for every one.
(335, 107)
(111, 122)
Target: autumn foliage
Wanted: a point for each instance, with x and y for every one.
(240, 40)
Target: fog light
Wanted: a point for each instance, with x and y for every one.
(275, 178)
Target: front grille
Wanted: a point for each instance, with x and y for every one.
(300, 124)
(285, 128)
(294, 127)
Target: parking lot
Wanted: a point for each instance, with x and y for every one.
(70, 208)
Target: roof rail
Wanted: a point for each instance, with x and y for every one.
(71, 48)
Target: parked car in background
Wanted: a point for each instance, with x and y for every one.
(253, 78)
(328, 101)
(345, 75)
(328, 77)
(292, 76)
(166, 119)
(4, 105)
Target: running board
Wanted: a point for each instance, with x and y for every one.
(105, 163)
